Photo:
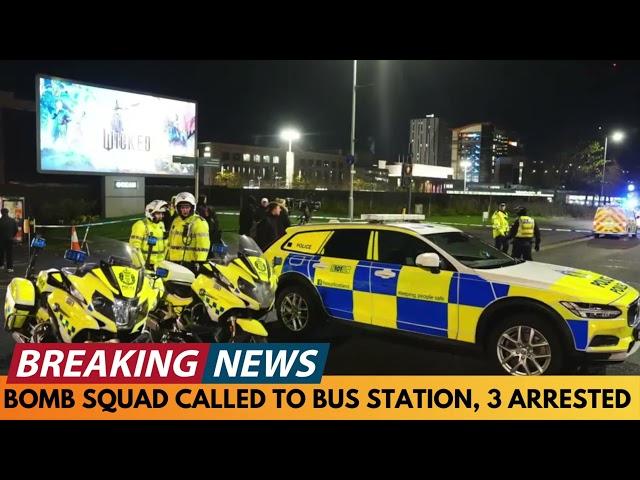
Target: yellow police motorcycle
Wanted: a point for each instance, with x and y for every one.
(226, 300)
(105, 297)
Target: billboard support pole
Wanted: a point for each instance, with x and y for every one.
(197, 174)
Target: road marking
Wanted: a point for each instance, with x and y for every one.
(564, 244)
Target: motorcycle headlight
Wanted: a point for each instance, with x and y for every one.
(102, 304)
(261, 292)
(264, 294)
(592, 310)
(124, 313)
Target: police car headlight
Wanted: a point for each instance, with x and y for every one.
(592, 310)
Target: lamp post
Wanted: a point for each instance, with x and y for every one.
(352, 170)
(289, 135)
(617, 137)
(465, 165)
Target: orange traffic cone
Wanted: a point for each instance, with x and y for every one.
(75, 244)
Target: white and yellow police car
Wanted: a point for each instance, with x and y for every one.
(530, 318)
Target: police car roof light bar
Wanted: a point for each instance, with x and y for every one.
(392, 217)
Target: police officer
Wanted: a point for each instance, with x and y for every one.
(500, 221)
(151, 226)
(189, 242)
(523, 231)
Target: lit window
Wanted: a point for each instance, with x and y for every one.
(266, 158)
(256, 158)
(246, 158)
(276, 159)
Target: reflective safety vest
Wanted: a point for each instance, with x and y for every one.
(526, 227)
(189, 240)
(140, 233)
(500, 224)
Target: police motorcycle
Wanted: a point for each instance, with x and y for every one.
(226, 300)
(106, 299)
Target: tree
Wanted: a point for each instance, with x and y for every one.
(580, 167)
(360, 184)
(227, 179)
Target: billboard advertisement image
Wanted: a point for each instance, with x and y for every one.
(96, 130)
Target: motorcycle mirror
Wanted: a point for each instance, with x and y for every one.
(162, 272)
(76, 256)
(38, 242)
(151, 240)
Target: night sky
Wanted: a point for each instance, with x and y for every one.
(548, 104)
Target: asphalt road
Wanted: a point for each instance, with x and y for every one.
(363, 351)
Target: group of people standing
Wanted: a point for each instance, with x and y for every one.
(184, 231)
(266, 221)
(524, 232)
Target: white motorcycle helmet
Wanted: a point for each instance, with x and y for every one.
(156, 206)
(185, 197)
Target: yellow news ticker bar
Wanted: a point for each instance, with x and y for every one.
(336, 398)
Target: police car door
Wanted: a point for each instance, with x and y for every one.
(341, 274)
(408, 297)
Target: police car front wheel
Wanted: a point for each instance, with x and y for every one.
(526, 345)
(293, 309)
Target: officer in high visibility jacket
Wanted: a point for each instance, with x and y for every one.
(152, 226)
(523, 231)
(500, 221)
(189, 242)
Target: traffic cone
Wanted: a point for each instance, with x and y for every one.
(75, 244)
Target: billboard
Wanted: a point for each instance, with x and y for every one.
(95, 130)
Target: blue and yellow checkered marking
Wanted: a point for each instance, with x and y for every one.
(337, 301)
(456, 300)
(423, 313)
(361, 277)
(580, 331)
(300, 263)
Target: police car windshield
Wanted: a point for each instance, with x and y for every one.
(470, 251)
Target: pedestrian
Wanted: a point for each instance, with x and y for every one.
(247, 214)
(8, 230)
(283, 219)
(268, 229)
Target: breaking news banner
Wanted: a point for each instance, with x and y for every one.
(278, 382)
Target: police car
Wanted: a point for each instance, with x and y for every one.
(530, 318)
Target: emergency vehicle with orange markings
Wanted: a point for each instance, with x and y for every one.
(614, 220)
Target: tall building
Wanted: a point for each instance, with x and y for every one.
(430, 141)
(471, 145)
(489, 153)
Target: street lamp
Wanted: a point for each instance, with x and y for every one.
(353, 137)
(289, 135)
(617, 137)
(465, 165)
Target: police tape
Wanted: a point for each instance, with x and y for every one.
(543, 229)
(78, 225)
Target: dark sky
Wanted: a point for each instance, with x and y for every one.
(547, 103)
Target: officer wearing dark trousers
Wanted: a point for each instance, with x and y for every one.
(8, 230)
(523, 231)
